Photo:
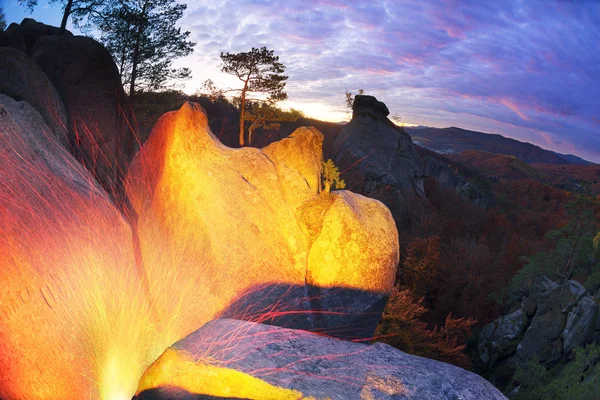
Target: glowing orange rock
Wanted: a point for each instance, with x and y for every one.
(73, 320)
(80, 319)
(216, 223)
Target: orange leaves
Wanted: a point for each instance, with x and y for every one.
(401, 327)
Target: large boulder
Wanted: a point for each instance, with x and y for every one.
(555, 320)
(500, 338)
(23, 80)
(74, 320)
(209, 212)
(99, 122)
(580, 324)
(235, 359)
(542, 337)
(376, 157)
(24, 35)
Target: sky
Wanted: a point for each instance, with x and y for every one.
(525, 69)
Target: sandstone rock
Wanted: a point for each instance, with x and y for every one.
(198, 200)
(24, 35)
(580, 324)
(543, 330)
(238, 359)
(378, 159)
(75, 323)
(22, 79)
(500, 338)
(88, 82)
(560, 297)
(369, 105)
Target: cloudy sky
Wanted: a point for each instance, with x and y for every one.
(523, 68)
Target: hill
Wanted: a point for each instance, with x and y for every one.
(455, 140)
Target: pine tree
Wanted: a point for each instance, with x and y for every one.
(144, 41)
(261, 73)
(2, 20)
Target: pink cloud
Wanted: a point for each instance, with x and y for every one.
(510, 104)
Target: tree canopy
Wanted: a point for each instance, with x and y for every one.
(144, 41)
(79, 10)
(268, 117)
(261, 73)
(2, 20)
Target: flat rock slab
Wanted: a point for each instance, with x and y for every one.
(302, 364)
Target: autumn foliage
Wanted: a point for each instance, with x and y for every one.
(402, 327)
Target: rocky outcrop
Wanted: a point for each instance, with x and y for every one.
(553, 319)
(92, 112)
(68, 274)
(442, 173)
(477, 194)
(24, 35)
(473, 192)
(258, 211)
(243, 233)
(229, 358)
(376, 157)
(23, 80)
(99, 118)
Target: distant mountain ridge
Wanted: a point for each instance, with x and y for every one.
(456, 140)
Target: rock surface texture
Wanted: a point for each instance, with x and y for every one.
(254, 361)
(23, 80)
(68, 274)
(376, 157)
(211, 212)
(88, 82)
(91, 114)
(222, 232)
(472, 192)
(550, 323)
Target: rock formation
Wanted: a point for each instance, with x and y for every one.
(23, 80)
(209, 212)
(222, 232)
(376, 157)
(74, 322)
(83, 73)
(238, 359)
(550, 323)
(101, 129)
(472, 192)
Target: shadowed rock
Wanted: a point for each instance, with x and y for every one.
(23, 80)
(377, 158)
(88, 82)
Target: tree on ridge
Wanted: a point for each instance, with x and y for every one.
(261, 73)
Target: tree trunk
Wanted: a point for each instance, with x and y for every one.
(243, 113)
(136, 53)
(63, 24)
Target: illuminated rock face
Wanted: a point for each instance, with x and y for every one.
(241, 225)
(239, 359)
(220, 232)
(73, 320)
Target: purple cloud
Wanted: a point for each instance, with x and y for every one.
(525, 69)
(528, 70)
